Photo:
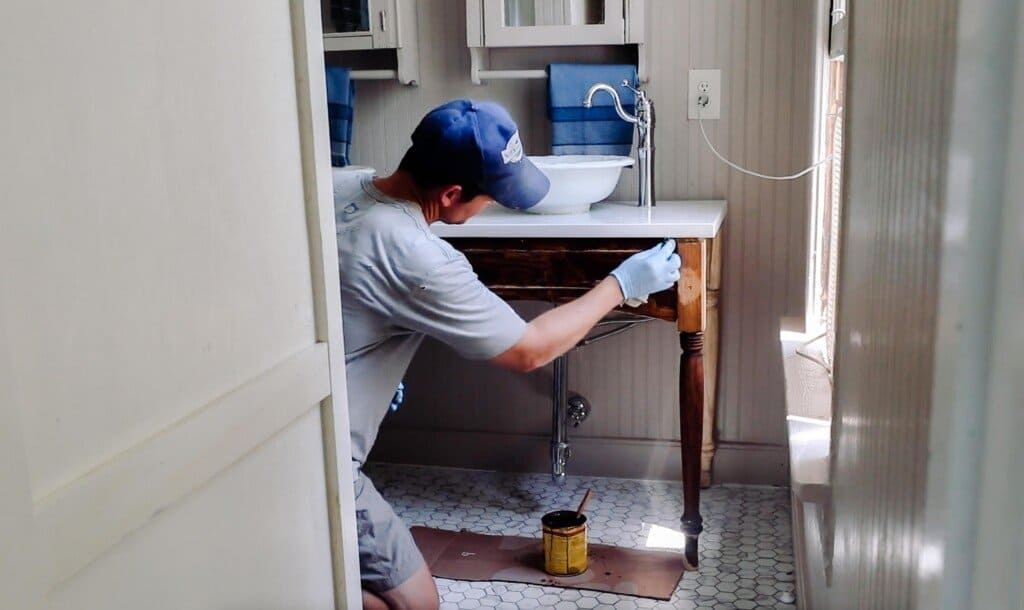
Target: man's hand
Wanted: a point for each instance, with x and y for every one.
(648, 272)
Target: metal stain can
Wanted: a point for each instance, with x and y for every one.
(565, 543)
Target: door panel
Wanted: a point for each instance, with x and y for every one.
(200, 180)
(223, 546)
(169, 307)
(21, 570)
(99, 509)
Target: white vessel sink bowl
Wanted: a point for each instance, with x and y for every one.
(577, 181)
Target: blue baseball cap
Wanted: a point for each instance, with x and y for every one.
(477, 144)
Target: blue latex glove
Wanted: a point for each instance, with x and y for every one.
(648, 272)
(399, 396)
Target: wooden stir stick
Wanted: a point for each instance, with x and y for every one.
(583, 504)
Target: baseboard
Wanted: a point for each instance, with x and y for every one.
(607, 457)
(751, 463)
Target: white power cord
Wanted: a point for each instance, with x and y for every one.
(819, 361)
(810, 169)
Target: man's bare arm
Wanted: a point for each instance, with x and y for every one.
(556, 331)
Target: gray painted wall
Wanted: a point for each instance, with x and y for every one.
(461, 413)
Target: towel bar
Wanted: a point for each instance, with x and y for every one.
(510, 74)
(373, 74)
(479, 61)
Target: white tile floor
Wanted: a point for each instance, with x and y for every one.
(746, 549)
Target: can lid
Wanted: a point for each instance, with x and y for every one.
(563, 518)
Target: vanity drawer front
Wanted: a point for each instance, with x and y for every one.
(556, 270)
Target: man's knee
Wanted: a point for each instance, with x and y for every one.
(419, 592)
(372, 602)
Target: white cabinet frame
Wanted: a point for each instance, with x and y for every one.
(485, 28)
(496, 34)
(381, 35)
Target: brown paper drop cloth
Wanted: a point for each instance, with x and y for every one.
(468, 556)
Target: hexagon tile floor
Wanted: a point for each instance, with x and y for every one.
(746, 549)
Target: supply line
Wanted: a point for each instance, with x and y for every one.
(624, 325)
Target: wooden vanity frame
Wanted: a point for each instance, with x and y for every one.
(558, 270)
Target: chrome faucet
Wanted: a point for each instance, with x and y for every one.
(644, 121)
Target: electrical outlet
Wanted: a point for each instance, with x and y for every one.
(704, 94)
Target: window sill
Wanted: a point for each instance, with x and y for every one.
(809, 425)
(808, 415)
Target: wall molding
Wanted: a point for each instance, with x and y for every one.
(748, 463)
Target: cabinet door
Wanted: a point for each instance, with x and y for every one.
(385, 28)
(351, 25)
(520, 23)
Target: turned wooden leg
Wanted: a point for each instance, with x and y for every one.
(692, 320)
(713, 283)
(691, 421)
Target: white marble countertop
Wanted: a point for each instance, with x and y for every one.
(606, 219)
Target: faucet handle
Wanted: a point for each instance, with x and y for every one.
(628, 85)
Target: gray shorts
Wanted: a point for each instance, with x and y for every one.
(388, 555)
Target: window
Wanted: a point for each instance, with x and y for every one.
(827, 207)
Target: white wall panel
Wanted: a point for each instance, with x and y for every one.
(764, 52)
(204, 251)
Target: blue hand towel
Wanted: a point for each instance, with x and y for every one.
(341, 92)
(597, 130)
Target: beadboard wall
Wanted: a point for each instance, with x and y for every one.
(901, 71)
(474, 415)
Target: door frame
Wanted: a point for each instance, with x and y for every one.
(972, 543)
(314, 134)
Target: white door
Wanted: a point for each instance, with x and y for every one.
(172, 392)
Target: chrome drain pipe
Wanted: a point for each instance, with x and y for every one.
(565, 409)
(559, 417)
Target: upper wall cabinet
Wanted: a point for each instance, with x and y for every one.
(359, 25)
(351, 25)
(541, 23)
(551, 23)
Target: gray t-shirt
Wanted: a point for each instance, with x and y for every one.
(399, 283)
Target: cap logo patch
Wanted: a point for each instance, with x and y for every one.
(513, 152)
